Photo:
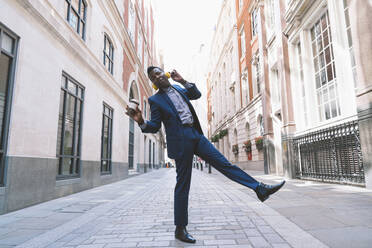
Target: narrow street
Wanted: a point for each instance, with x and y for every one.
(138, 212)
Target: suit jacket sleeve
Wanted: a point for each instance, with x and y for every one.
(191, 91)
(153, 125)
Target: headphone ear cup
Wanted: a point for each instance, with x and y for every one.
(154, 86)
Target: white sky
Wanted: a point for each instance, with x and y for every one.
(182, 26)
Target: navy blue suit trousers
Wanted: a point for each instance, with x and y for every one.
(198, 144)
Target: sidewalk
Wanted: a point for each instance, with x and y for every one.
(138, 212)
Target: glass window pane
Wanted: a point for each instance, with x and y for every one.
(4, 77)
(67, 142)
(323, 77)
(334, 108)
(312, 34)
(316, 64)
(349, 39)
(74, 20)
(327, 55)
(7, 43)
(66, 166)
(319, 44)
(332, 92)
(327, 111)
(72, 87)
(352, 57)
(324, 22)
(347, 19)
(329, 73)
(317, 80)
(325, 38)
(325, 95)
(321, 59)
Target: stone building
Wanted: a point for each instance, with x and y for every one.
(223, 95)
(329, 70)
(67, 70)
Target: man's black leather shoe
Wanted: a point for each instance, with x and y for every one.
(182, 234)
(263, 191)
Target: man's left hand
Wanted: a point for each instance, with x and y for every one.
(177, 77)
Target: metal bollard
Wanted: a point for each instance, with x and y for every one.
(209, 168)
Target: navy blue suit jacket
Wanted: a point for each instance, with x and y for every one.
(163, 110)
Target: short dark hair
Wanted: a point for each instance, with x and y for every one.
(150, 68)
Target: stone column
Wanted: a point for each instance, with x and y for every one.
(269, 150)
(361, 27)
(289, 126)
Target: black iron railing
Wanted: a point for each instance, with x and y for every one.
(331, 155)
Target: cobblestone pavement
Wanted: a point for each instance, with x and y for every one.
(138, 212)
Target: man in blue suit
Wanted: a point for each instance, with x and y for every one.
(171, 105)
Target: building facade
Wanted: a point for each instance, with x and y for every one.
(304, 77)
(68, 69)
(328, 138)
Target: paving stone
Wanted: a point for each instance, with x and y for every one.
(153, 244)
(259, 242)
(220, 242)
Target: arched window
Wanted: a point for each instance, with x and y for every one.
(108, 54)
(76, 14)
(133, 94)
(247, 131)
(260, 123)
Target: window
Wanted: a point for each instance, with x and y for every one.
(8, 50)
(301, 74)
(106, 139)
(324, 67)
(131, 143)
(145, 59)
(69, 127)
(150, 154)
(131, 21)
(254, 23)
(153, 154)
(139, 46)
(240, 5)
(350, 41)
(145, 109)
(258, 75)
(76, 13)
(271, 16)
(108, 54)
(242, 42)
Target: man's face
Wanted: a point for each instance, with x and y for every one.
(158, 77)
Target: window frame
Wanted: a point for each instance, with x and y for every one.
(8, 99)
(110, 116)
(110, 56)
(76, 167)
(82, 17)
(254, 21)
(318, 68)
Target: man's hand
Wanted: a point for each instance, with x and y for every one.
(135, 114)
(177, 77)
